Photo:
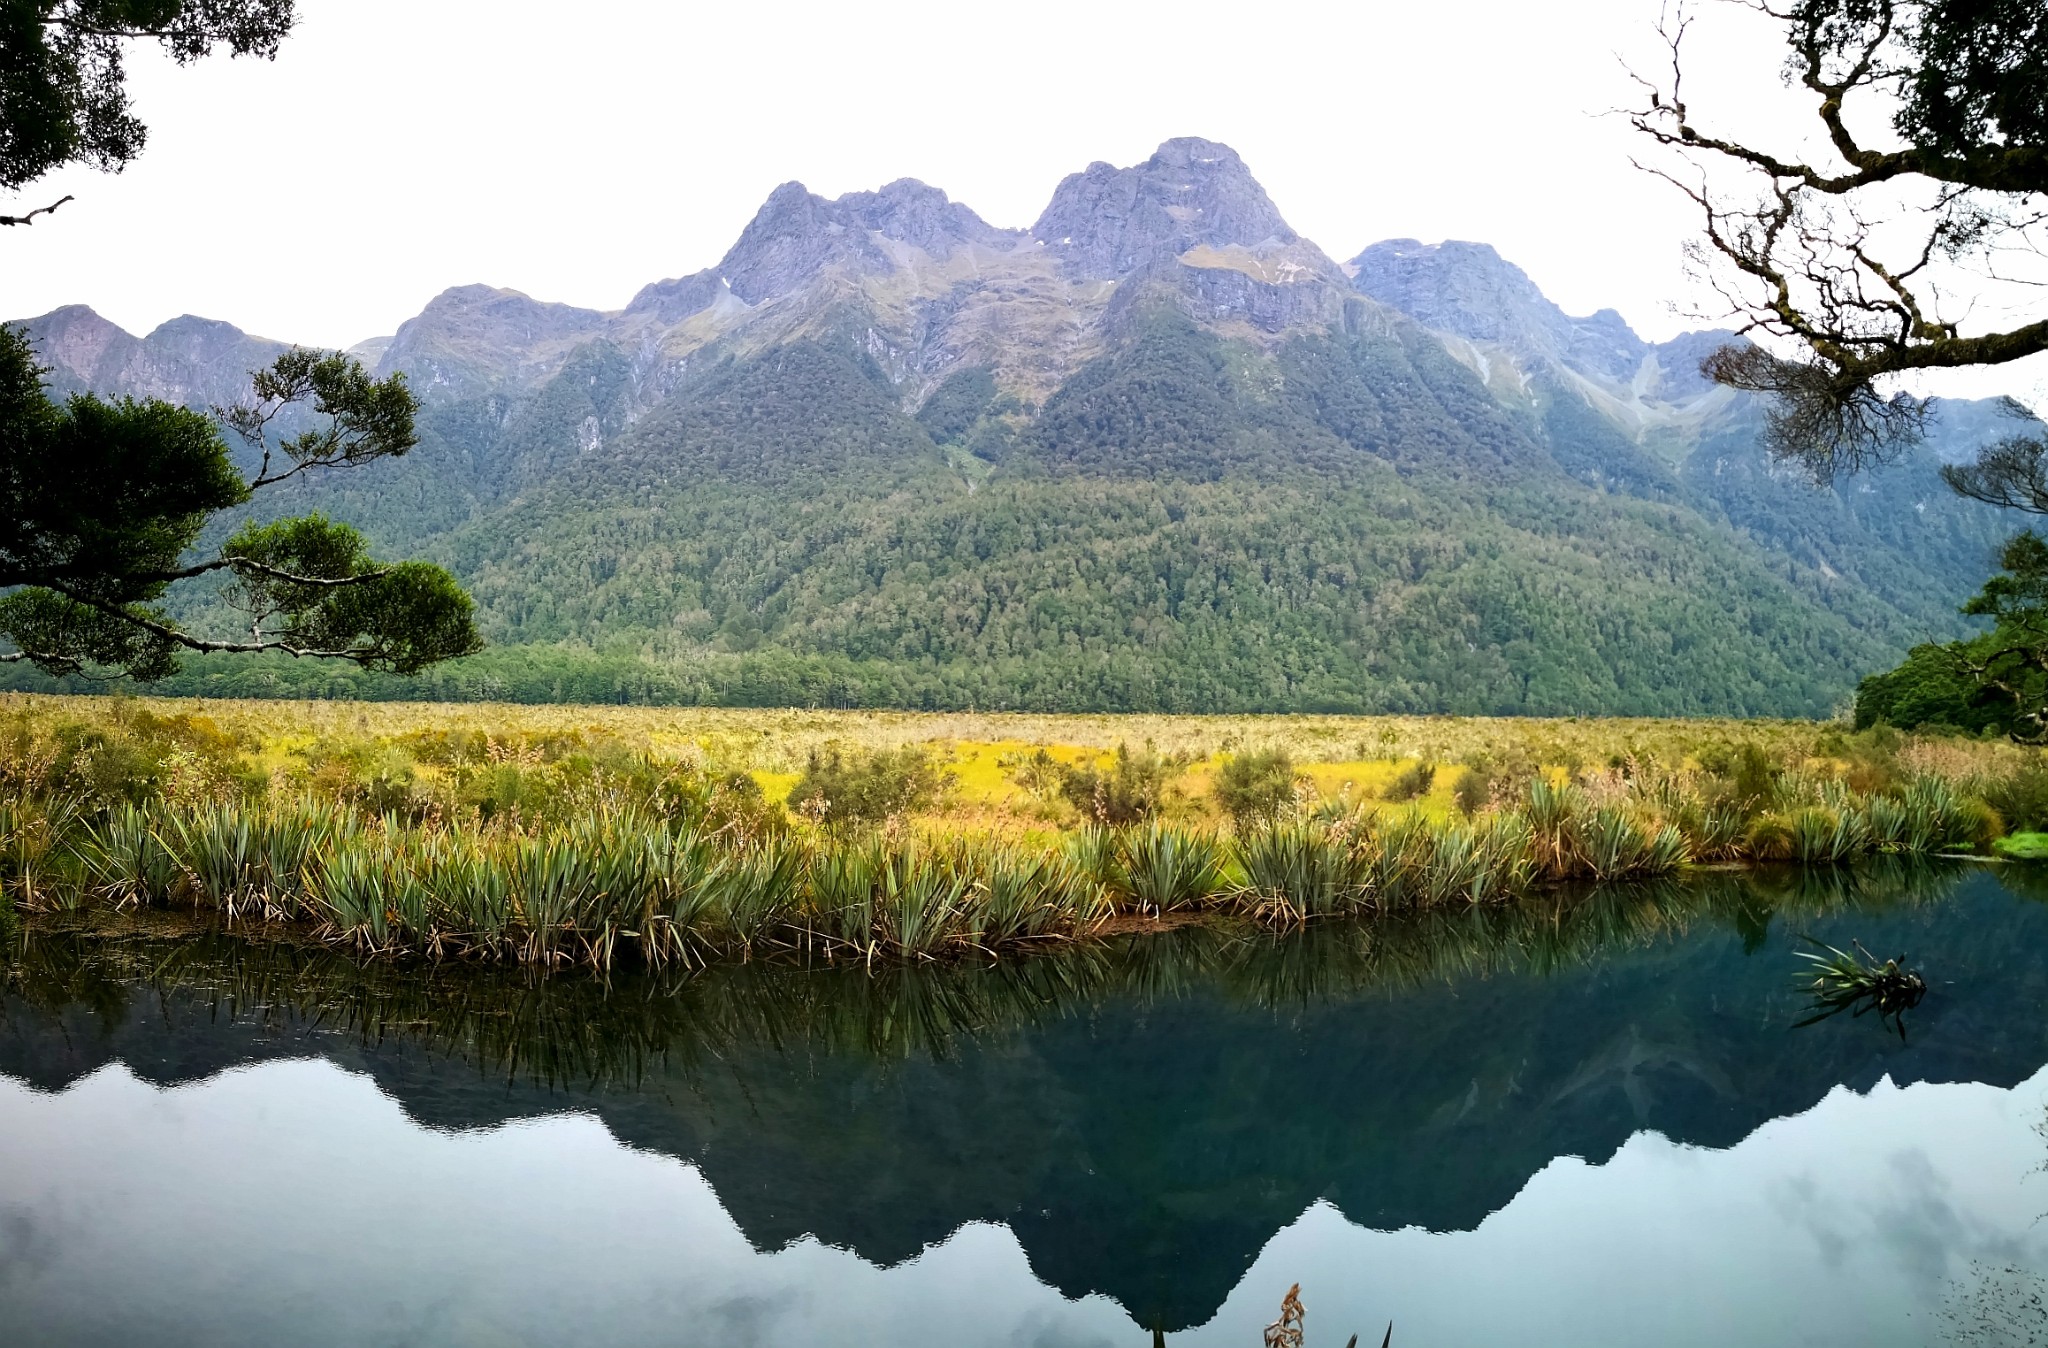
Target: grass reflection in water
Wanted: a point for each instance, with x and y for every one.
(582, 1029)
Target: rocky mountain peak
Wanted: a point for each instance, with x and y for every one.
(74, 340)
(670, 302)
(1471, 291)
(481, 334)
(1107, 222)
(203, 341)
(923, 216)
(196, 361)
(797, 234)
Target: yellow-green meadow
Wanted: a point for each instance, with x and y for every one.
(559, 834)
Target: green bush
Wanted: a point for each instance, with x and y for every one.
(2022, 798)
(1256, 787)
(1486, 779)
(1749, 773)
(1038, 774)
(838, 789)
(1412, 782)
(1168, 868)
(1932, 689)
(1131, 790)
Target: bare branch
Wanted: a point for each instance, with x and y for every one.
(1805, 264)
(202, 644)
(251, 565)
(30, 218)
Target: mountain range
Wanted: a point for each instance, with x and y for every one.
(1156, 452)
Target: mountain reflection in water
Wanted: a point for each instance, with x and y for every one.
(1148, 1116)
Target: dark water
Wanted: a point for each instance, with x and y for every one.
(1593, 1123)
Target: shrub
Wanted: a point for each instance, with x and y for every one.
(867, 788)
(715, 802)
(1131, 790)
(1751, 774)
(2021, 799)
(1257, 786)
(1096, 855)
(1412, 781)
(1486, 779)
(1038, 774)
(1769, 838)
(1310, 867)
(1978, 825)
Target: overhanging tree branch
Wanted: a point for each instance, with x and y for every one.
(100, 503)
(30, 218)
(1811, 271)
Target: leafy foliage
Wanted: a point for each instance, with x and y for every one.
(1131, 789)
(1998, 681)
(1930, 687)
(957, 404)
(1256, 786)
(100, 503)
(398, 619)
(1980, 76)
(1412, 781)
(866, 788)
(63, 84)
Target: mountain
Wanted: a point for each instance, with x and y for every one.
(1158, 451)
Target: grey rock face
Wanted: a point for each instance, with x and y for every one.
(1470, 291)
(472, 338)
(797, 234)
(1679, 361)
(1107, 222)
(674, 300)
(1215, 295)
(922, 216)
(81, 349)
(793, 237)
(195, 361)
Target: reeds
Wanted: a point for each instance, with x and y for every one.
(624, 880)
(615, 882)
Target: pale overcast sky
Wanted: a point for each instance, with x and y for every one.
(576, 152)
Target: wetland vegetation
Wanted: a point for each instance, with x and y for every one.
(581, 836)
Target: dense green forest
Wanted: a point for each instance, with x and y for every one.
(1347, 522)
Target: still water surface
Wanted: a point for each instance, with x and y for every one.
(1588, 1124)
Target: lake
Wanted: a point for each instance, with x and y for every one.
(1593, 1121)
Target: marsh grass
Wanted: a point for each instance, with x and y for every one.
(551, 841)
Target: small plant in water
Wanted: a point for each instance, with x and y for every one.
(1288, 1330)
(1858, 983)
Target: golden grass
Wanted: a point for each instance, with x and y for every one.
(1339, 755)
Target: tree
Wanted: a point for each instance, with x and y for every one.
(1859, 265)
(2010, 665)
(63, 85)
(101, 501)
(1862, 265)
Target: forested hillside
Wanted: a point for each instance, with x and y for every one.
(888, 455)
